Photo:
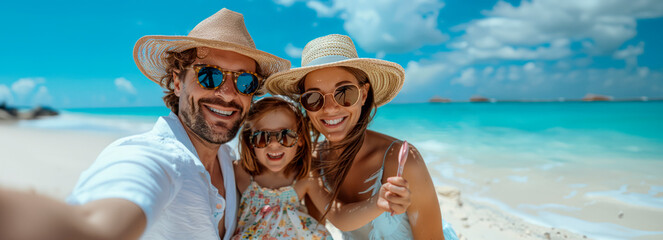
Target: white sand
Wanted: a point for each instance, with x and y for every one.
(46, 161)
(476, 221)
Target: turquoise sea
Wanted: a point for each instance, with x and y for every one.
(573, 165)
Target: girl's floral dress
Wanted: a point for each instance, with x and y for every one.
(266, 213)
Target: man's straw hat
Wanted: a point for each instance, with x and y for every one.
(225, 30)
(336, 50)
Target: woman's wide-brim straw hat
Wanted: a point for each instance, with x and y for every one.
(225, 30)
(386, 78)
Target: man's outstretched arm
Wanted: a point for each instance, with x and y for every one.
(31, 216)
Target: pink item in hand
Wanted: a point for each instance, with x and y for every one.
(402, 157)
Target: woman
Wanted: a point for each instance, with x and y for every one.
(354, 161)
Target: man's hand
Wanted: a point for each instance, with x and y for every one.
(31, 216)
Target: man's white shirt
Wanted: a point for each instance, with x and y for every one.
(161, 172)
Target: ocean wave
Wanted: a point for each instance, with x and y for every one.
(571, 194)
(597, 230)
(518, 179)
(631, 198)
(97, 123)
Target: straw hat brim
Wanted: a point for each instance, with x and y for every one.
(150, 53)
(386, 78)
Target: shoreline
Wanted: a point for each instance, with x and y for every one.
(473, 220)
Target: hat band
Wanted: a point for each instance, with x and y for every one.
(326, 59)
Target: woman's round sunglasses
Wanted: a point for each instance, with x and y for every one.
(286, 137)
(211, 77)
(345, 95)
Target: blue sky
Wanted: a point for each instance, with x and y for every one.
(79, 53)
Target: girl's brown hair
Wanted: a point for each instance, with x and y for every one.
(302, 161)
(335, 168)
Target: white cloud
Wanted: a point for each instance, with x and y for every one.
(390, 26)
(43, 98)
(380, 54)
(544, 29)
(467, 78)
(420, 74)
(286, 3)
(514, 73)
(551, 83)
(6, 95)
(630, 54)
(529, 67)
(292, 51)
(24, 86)
(530, 80)
(630, 51)
(488, 70)
(520, 53)
(417, 72)
(643, 72)
(322, 9)
(124, 85)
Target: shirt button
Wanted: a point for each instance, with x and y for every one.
(219, 206)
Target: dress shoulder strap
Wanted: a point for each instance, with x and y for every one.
(377, 176)
(384, 157)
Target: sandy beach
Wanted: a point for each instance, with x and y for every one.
(472, 220)
(49, 162)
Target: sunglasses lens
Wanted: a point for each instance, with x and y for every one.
(312, 101)
(260, 139)
(288, 138)
(346, 95)
(210, 77)
(247, 83)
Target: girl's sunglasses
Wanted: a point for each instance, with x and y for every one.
(211, 77)
(286, 137)
(346, 95)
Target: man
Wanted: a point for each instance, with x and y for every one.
(176, 181)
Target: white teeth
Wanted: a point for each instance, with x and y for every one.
(220, 112)
(333, 122)
(275, 155)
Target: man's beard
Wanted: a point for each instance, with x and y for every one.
(193, 118)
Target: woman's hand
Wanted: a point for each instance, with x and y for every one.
(394, 196)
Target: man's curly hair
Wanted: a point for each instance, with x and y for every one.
(177, 63)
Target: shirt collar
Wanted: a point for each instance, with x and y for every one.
(171, 125)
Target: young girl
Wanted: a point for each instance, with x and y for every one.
(273, 176)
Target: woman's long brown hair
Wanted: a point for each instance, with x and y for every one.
(335, 169)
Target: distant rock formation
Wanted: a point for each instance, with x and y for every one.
(479, 99)
(596, 98)
(438, 99)
(10, 113)
(38, 112)
(7, 113)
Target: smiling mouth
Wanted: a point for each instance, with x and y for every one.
(333, 122)
(220, 112)
(275, 156)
